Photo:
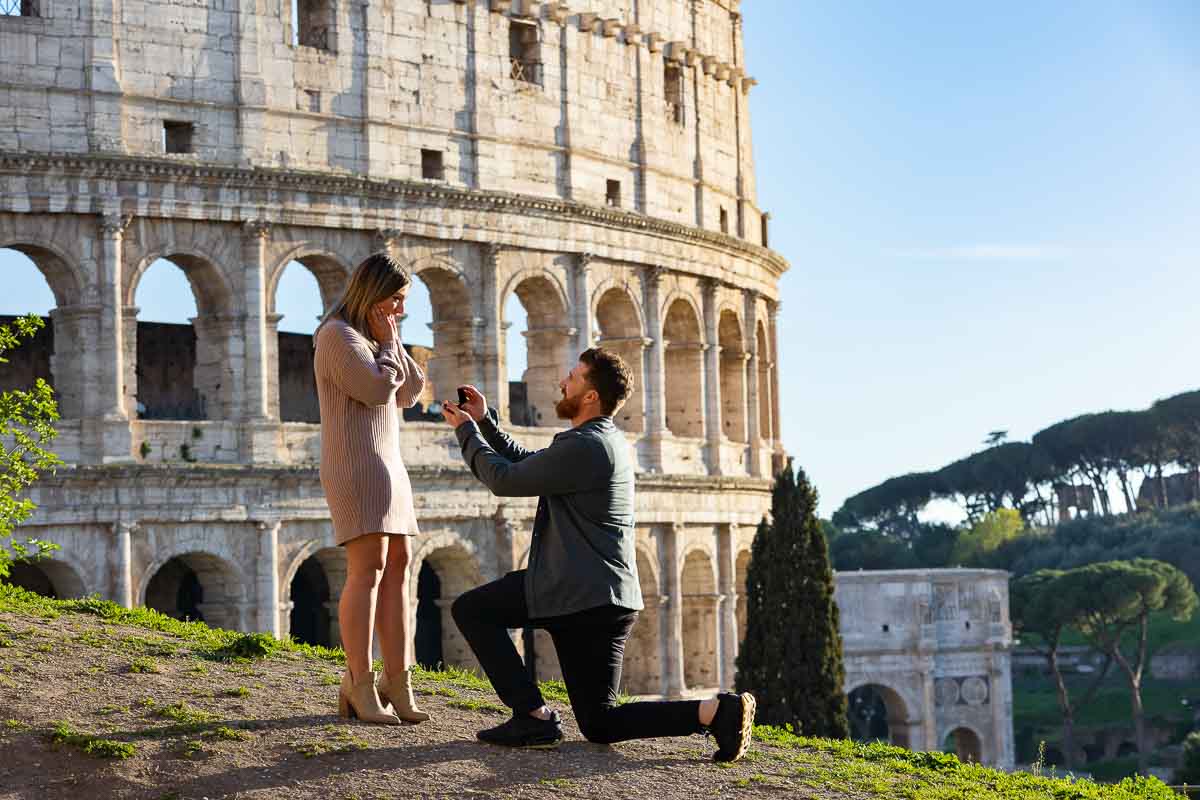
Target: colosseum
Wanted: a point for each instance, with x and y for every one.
(592, 159)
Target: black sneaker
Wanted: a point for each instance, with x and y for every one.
(525, 731)
(732, 725)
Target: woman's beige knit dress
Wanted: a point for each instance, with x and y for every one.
(365, 482)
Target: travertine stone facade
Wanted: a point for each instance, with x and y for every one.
(935, 646)
(592, 159)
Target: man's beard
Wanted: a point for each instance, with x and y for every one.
(567, 407)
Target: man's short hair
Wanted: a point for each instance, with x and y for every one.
(609, 376)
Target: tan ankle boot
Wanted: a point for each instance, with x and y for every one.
(358, 699)
(397, 690)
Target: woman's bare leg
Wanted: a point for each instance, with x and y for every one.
(391, 612)
(365, 559)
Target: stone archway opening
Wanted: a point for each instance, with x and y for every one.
(176, 360)
(53, 353)
(620, 330)
(643, 672)
(309, 618)
(733, 377)
(684, 364)
(199, 587)
(427, 642)
(700, 651)
(452, 571)
(877, 714)
(305, 290)
(533, 392)
(964, 743)
(47, 577)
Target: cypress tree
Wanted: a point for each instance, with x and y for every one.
(791, 659)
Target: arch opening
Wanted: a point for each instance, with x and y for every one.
(178, 357)
(47, 577)
(44, 285)
(877, 714)
(451, 571)
(301, 296)
(684, 364)
(964, 743)
(310, 619)
(620, 330)
(700, 652)
(533, 392)
(199, 587)
(427, 644)
(733, 377)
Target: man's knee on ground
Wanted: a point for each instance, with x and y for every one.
(597, 725)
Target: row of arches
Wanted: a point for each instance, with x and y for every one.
(182, 329)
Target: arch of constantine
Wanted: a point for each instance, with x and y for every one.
(591, 159)
(928, 659)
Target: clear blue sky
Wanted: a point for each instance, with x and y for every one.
(992, 215)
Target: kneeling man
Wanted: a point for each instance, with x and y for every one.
(581, 584)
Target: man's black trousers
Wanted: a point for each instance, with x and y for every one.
(590, 646)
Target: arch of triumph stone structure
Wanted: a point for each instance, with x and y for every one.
(591, 158)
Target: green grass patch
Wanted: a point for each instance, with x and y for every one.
(15, 725)
(238, 691)
(338, 741)
(482, 706)
(229, 734)
(64, 734)
(881, 770)
(440, 691)
(557, 783)
(144, 665)
(184, 715)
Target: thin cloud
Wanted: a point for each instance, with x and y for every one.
(985, 252)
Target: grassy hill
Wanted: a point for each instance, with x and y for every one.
(101, 701)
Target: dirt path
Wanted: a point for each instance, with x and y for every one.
(209, 729)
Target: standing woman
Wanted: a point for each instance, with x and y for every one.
(363, 374)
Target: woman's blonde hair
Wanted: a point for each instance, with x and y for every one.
(375, 280)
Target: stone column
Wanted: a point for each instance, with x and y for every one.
(728, 592)
(489, 347)
(73, 326)
(547, 351)
(110, 436)
(123, 574)
(672, 569)
(776, 420)
(267, 577)
(219, 359)
(259, 429)
(753, 433)
(712, 378)
(272, 335)
(129, 343)
(254, 242)
(582, 290)
(655, 371)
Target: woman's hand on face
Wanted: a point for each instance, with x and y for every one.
(383, 325)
